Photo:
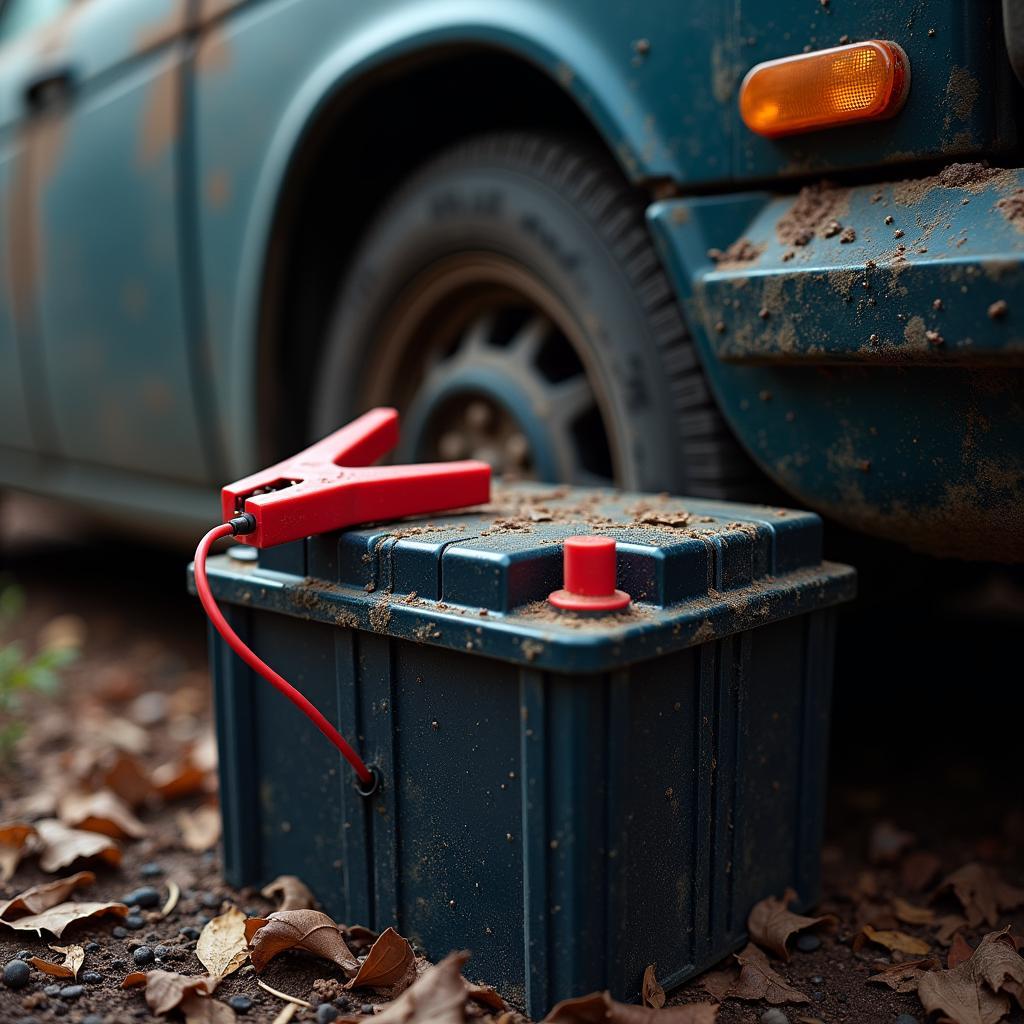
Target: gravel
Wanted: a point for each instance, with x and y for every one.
(143, 956)
(17, 973)
(774, 1016)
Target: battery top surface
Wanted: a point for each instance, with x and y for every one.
(696, 570)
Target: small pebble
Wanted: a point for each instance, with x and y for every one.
(161, 952)
(203, 919)
(344, 1002)
(240, 1004)
(134, 922)
(817, 980)
(147, 898)
(119, 932)
(190, 932)
(92, 977)
(93, 1018)
(143, 956)
(209, 899)
(71, 991)
(17, 973)
(118, 964)
(24, 954)
(368, 1008)
(52, 990)
(325, 1013)
(151, 870)
(92, 947)
(808, 942)
(774, 1016)
(906, 1018)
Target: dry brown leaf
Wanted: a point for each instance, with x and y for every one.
(200, 829)
(293, 1000)
(134, 979)
(361, 935)
(291, 893)
(221, 947)
(252, 926)
(981, 892)
(102, 812)
(910, 914)
(893, 941)
(179, 779)
(173, 895)
(438, 996)
(56, 919)
(121, 774)
(17, 840)
(199, 1009)
(947, 927)
(719, 983)
(62, 846)
(42, 897)
(906, 976)
(387, 963)
(919, 869)
(758, 981)
(888, 843)
(74, 957)
(599, 1007)
(960, 996)
(998, 964)
(652, 994)
(771, 924)
(960, 952)
(301, 929)
(166, 990)
(485, 996)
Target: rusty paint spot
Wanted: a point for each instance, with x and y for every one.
(218, 189)
(161, 116)
(213, 53)
(165, 30)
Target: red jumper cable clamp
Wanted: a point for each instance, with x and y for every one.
(328, 486)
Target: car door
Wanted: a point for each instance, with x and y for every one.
(103, 96)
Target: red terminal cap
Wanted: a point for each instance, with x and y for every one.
(589, 577)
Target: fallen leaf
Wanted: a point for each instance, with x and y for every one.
(486, 997)
(199, 1009)
(906, 976)
(893, 941)
(122, 774)
(438, 996)
(62, 846)
(221, 947)
(200, 829)
(361, 935)
(981, 892)
(910, 914)
(290, 892)
(888, 843)
(179, 779)
(652, 994)
(134, 979)
(252, 926)
(599, 1007)
(294, 1000)
(173, 895)
(74, 957)
(102, 812)
(960, 952)
(997, 962)
(166, 990)
(387, 963)
(56, 919)
(771, 924)
(919, 869)
(947, 927)
(17, 840)
(758, 981)
(719, 983)
(301, 929)
(42, 897)
(960, 995)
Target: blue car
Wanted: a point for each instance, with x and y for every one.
(715, 249)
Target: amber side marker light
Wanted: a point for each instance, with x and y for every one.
(844, 85)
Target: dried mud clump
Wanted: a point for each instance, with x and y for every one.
(741, 251)
(962, 175)
(1012, 208)
(816, 210)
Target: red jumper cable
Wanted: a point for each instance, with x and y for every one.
(326, 487)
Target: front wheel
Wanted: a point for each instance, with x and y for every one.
(509, 302)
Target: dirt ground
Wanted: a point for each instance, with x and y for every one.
(926, 778)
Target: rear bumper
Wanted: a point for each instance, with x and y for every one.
(878, 379)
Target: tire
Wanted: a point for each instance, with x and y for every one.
(526, 235)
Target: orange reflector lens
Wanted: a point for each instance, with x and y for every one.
(860, 82)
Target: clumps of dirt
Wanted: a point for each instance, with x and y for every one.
(347, 620)
(380, 613)
(427, 631)
(741, 251)
(647, 514)
(964, 174)
(1012, 208)
(542, 611)
(998, 309)
(816, 210)
(848, 235)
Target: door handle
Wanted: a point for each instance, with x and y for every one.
(52, 86)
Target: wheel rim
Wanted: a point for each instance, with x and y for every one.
(486, 362)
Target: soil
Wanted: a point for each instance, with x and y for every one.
(926, 734)
(816, 208)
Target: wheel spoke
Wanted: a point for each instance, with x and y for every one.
(477, 335)
(571, 398)
(527, 340)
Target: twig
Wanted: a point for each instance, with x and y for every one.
(284, 995)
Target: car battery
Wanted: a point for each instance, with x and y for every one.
(572, 796)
